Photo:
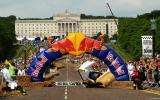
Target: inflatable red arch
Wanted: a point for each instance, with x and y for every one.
(77, 44)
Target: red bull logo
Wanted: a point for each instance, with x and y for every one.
(110, 57)
(120, 71)
(77, 44)
(39, 65)
(116, 64)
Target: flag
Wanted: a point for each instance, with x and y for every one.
(6, 62)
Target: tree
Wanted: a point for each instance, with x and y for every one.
(114, 37)
(7, 36)
(106, 38)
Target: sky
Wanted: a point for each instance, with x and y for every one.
(48, 8)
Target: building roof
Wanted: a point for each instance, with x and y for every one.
(34, 21)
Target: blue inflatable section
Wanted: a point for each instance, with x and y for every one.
(40, 63)
(111, 59)
(115, 63)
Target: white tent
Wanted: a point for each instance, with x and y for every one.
(31, 39)
(19, 39)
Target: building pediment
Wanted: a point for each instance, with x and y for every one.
(66, 20)
(67, 14)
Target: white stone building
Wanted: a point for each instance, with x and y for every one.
(62, 24)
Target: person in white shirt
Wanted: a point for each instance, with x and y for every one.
(21, 71)
(12, 84)
(130, 69)
(6, 74)
(41, 49)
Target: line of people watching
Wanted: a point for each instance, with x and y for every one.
(12, 68)
(144, 70)
(9, 73)
(98, 66)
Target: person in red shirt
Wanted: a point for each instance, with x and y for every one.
(158, 63)
(137, 81)
(101, 38)
(50, 40)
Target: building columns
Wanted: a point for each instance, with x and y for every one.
(68, 27)
(61, 28)
(72, 27)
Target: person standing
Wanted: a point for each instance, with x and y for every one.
(11, 84)
(12, 70)
(131, 69)
(137, 82)
(21, 71)
(156, 76)
(150, 72)
(6, 73)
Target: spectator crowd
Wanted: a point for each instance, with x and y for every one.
(145, 71)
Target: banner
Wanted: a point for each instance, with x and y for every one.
(147, 46)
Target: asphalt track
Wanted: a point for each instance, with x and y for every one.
(81, 93)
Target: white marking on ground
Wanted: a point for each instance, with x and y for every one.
(65, 97)
(65, 93)
(65, 90)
